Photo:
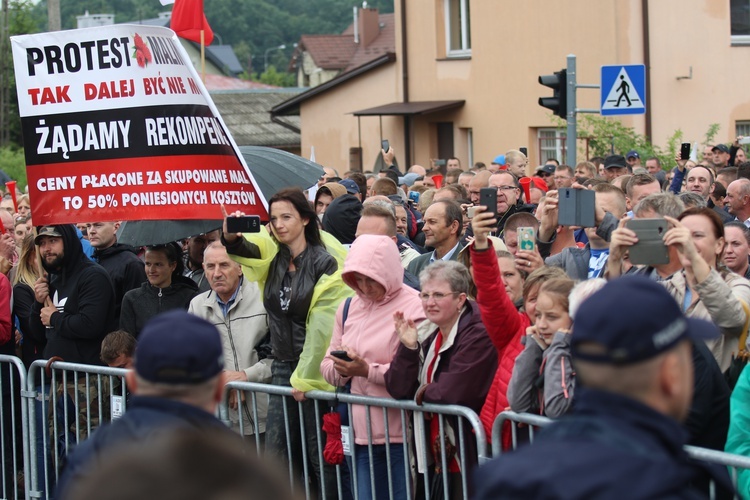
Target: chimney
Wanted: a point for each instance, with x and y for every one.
(369, 26)
(355, 25)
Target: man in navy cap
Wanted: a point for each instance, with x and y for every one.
(177, 382)
(631, 347)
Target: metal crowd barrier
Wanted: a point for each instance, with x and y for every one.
(64, 408)
(13, 431)
(729, 460)
(469, 427)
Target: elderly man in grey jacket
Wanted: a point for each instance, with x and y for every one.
(234, 305)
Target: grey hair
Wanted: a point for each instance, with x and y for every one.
(664, 204)
(453, 272)
(692, 200)
(581, 292)
(385, 205)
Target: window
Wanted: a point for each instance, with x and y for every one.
(740, 14)
(458, 28)
(551, 145)
(742, 128)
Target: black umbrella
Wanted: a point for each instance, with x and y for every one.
(273, 169)
(155, 232)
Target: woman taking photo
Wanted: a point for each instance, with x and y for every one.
(448, 359)
(373, 270)
(165, 289)
(298, 267)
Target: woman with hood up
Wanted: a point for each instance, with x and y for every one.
(368, 336)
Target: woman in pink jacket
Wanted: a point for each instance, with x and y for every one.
(373, 270)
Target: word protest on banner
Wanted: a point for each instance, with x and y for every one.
(117, 125)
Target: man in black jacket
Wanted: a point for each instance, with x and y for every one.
(121, 262)
(75, 300)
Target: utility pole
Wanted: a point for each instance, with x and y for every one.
(53, 13)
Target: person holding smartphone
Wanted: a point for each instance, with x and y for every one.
(362, 347)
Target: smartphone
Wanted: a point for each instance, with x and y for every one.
(745, 140)
(524, 151)
(488, 198)
(471, 212)
(342, 355)
(576, 207)
(414, 196)
(440, 163)
(685, 151)
(385, 145)
(650, 249)
(244, 224)
(526, 238)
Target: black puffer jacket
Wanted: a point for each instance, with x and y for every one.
(142, 304)
(288, 328)
(85, 299)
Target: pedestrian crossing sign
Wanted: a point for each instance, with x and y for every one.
(623, 90)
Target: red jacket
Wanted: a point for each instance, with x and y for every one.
(505, 326)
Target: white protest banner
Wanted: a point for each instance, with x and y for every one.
(117, 125)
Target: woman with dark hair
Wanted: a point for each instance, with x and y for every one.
(705, 288)
(165, 289)
(298, 267)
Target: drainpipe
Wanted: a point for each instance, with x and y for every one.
(647, 63)
(405, 88)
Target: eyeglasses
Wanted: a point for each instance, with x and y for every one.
(506, 188)
(438, 296)
(544, 174)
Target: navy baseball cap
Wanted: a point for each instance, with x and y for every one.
(178, 348)
(632, 319)
(350, 185)
(721, 147)
(632, 154)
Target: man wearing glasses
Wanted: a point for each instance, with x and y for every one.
(564, 176)
(508, 196)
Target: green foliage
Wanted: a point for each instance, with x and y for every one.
(13, 163)
(273, 77)
(609, 134)
(713, 129)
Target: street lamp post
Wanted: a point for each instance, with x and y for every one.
(265, 56)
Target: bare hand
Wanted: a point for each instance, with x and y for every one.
(547, 213)
(19, 337)
(357, 367)
(680, 237)
(47, 311)
(230, 237)
(7, 246)
(407, 330)
(533, 334)
(41, 289)
(680, 162)
(622, 239)
(388, 156)
(235, 376)
(298, 395)
(482, 224)
(529, 260)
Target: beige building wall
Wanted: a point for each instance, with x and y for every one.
(513, 42)
(327, 124)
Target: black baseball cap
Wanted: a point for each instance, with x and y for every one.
(52, 231)
(633, 319)
(721, 147)
(615, 161)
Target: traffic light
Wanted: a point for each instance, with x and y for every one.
(558, 103)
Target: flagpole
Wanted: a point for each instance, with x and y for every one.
(203, 56)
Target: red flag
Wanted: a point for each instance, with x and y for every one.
(188, 20)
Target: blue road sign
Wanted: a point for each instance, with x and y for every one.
(623, 90)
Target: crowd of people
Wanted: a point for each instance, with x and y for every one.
(404, 285)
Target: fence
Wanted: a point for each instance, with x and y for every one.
(49, 409)
(733, 462)
(463, 423)
(67, 401)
